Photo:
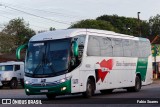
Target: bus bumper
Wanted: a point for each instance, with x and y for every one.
(59, 89)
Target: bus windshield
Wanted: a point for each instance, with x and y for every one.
(48, 58)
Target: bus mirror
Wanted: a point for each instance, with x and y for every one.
(75, 48)
(18, 56)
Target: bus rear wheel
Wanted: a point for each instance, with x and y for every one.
(90, 89)
(137, 86)
(51, 96)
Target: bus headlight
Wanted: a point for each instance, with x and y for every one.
(64, 79)
(27, 82)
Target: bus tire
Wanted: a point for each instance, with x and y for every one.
(13, 84)
(137, 87)
(108, 91)
(90, 89)
(22, 82)
(1, 87)
(51, 96)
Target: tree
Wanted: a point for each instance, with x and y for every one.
(7, 43)
(127, 25)
(95, 24)
(20, 29)
(51, 29)
(41, 31)
(154, 22)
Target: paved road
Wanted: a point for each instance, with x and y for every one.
(119, 96)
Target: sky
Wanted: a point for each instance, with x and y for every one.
(60, 14)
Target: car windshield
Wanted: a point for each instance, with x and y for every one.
(48, 58)
(6, 67)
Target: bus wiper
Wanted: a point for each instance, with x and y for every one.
(39, 65)
(50, 66)
(63, 70)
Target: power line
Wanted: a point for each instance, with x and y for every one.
(35, 15)
(56, 13)
(39, 26)
(29, 23)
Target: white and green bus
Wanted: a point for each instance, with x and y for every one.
(83, 61)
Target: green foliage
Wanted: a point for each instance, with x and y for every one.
(95, 24)
(126, 25)
(41, 31)
(51, 29)
(7, 43)
(145, 28)
(19, 29)
(155, 25)
(154, 50)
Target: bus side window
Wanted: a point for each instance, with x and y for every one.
(93, 48)
(144, 48)
(134, 48)
(106, 46)
(126, 48)
(117, 47)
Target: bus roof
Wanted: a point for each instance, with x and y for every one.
(57, 34)
(66, 33)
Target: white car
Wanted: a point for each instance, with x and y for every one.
(11, 73)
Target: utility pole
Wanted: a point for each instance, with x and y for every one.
(139, 24)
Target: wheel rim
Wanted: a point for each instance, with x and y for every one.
(13, 84)
(89, 89)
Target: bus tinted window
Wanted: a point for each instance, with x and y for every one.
(126, 48)
(106, 46)
(134, 48)
(116, 47)
(93, 46)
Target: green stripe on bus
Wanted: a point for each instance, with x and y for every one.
(142, 67)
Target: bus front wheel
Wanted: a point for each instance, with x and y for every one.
(90, 88)
(1, 87)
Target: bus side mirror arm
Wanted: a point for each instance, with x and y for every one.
(75, 51)
(75, 48)
(18, 50)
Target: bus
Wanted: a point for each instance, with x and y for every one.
(83, 61)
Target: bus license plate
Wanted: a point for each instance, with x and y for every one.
(43, 91)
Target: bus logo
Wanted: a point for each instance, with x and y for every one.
(43, 80)
(105, 68)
